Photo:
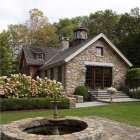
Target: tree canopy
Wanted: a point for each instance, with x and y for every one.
(5, 55)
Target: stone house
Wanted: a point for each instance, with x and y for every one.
(93, 62)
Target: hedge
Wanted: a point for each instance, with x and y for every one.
(83, 91)
(132, 83)
(133, 74)
(30, 103)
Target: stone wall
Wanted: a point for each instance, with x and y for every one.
(74, 75)
(56, 74)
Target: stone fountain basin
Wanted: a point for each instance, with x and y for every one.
(15, 130)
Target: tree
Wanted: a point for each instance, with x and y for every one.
(5, 54)
(128, 32)
(41, 33)
(46, 36)
(18, 34)
(103, 22)
(64, 28)
(18, 37)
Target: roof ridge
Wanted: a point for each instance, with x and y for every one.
(75, 50)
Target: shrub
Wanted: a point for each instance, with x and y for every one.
(31, 103)
(134, 92)
(133, 83)
(83, 91)
(22, 86)
(133, 74)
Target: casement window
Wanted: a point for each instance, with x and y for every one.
(52, 74)
(60, 73)
(99, 51)
(40, 56)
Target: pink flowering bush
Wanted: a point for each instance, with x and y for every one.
(22, 86)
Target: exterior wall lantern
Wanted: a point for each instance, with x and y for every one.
(116, 72)
(82, 82)
(84, 70)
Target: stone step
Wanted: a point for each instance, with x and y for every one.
(105, 93)
(102, 94)
(114, 97)
(109, 95)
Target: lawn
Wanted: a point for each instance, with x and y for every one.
(123, 112)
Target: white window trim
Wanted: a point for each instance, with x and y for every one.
(42, 56)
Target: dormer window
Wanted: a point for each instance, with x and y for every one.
(99, 51)
(40, 56)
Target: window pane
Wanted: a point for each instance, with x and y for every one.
(52, 74)
(99, 51)
(40, 56)
(60, 74)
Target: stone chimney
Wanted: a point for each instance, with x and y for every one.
(64, 43)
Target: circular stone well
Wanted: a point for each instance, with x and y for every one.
(17, 130)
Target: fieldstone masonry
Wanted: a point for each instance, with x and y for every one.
(74, 75)
(15, 130)
(98, 129)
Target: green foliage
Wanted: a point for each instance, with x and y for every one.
(103, 22)
(41, 33)
(83, 91)
(6, 59)
(134, 93)
(45, 36)
(31, 103)
(133, 83)
(64, 28)
(133, 74)
(18, 34)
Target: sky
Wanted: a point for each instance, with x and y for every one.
(17, 11)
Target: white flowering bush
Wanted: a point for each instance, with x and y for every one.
(22, 86)
(50, 88)
(111, 90)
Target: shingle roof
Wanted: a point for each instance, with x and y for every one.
(30, 52)
(55, 56)
(68, 54)
(62, 55)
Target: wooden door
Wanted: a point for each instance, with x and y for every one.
(98, 77)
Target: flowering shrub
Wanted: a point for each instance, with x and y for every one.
(111, 91)
(21, 86)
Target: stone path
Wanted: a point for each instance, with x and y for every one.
(119, 100)
(105, 102)
(117, 131)
(86, 104)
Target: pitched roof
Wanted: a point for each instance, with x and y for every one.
(30, 52)
(68, 54)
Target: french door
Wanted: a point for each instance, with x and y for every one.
(100, 77)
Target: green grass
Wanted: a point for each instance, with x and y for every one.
(123, 112)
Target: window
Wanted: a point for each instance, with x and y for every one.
(60, 73)
(40, 56)
(52, 74)
(78, 34)
(46, 73)
(99, 51)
